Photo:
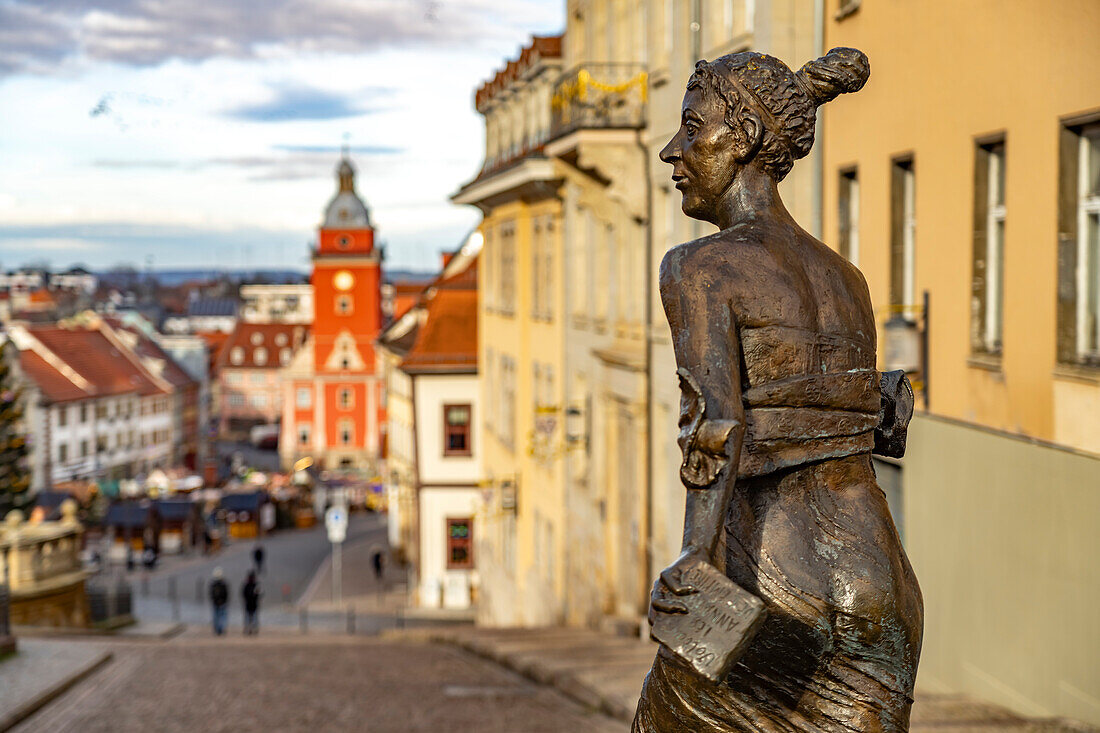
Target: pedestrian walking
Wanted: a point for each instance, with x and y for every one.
(258, 558)
(219, 599)
(251, 593)
(378, 562)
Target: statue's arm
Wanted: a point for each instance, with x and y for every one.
(712, 417)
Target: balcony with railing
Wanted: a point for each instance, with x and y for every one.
(600, 96)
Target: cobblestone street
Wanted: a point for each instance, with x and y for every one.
(319, 683)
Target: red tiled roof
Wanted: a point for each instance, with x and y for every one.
(146, 348)
(55, 386)
(92, 355)
(272, 337)
(447, 341)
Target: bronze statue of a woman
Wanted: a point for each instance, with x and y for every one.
(781, 409)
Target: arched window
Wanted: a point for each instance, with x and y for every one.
(259, 356)
(237, 355)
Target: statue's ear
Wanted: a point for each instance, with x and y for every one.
(749, 133)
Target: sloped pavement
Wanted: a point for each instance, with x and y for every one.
(605, 672)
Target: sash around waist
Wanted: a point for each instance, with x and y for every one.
(809, 418)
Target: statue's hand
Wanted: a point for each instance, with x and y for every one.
(671, 584)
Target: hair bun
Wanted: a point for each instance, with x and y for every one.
(840, 71)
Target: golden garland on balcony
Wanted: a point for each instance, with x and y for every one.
(578, 88)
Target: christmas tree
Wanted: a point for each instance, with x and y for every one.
(14, 479)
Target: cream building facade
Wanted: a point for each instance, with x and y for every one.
(969, 169)
(427, 360)
(681, 33)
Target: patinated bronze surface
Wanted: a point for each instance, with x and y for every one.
(781, 409)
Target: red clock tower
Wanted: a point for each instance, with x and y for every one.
(334, 411)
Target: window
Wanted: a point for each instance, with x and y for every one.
(537, 280)
(62, 416)
(236, 355)
(345, 399)
(258, 401)
(259, 356)
(258, 378)
(1079, 243)
(343, 242)
(303, 397)
(848, 215)
(303, 434)
(460, 546)
(83, 449)
(280, 339)
(902, 236)
(343, 305)
(346, 431)
(548, 269)
(83, 413)
(456, 430)
(236, 400)
(987, 283)
(63, 452)
(507, 423)
(257, 338)
(284, 355)
(507, 272)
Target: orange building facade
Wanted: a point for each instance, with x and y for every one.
(333, 407)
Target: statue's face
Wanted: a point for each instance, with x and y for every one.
(702, 154)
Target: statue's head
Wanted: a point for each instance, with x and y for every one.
(750, 110)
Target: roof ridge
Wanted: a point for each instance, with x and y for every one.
(116, 341)
(52, 359)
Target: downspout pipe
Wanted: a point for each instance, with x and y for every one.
(647, 292)
(818, 185)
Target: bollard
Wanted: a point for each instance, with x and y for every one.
(303, 623)
(351, 620)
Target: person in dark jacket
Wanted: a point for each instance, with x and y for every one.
(258, 558)
(219, 598)
(251, 593)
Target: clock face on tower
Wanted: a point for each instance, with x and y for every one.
(343, 280)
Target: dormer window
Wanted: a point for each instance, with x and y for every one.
(280, 339)
(257, 338)
(237, 355)
(259, 356)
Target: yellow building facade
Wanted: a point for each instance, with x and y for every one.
(521, 539)
(968, 169)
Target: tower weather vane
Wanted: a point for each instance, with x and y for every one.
(792, 606)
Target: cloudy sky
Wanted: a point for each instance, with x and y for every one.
(183, 133)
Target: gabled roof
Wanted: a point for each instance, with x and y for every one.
(446, 340)
(54, 385)
(251, 337)
(98, 360)
(152, 354)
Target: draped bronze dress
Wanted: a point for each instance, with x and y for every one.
(808, 529)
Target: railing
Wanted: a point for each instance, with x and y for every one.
(599, 96)
(37, 554)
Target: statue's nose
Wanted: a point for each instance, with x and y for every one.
(671, 152)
